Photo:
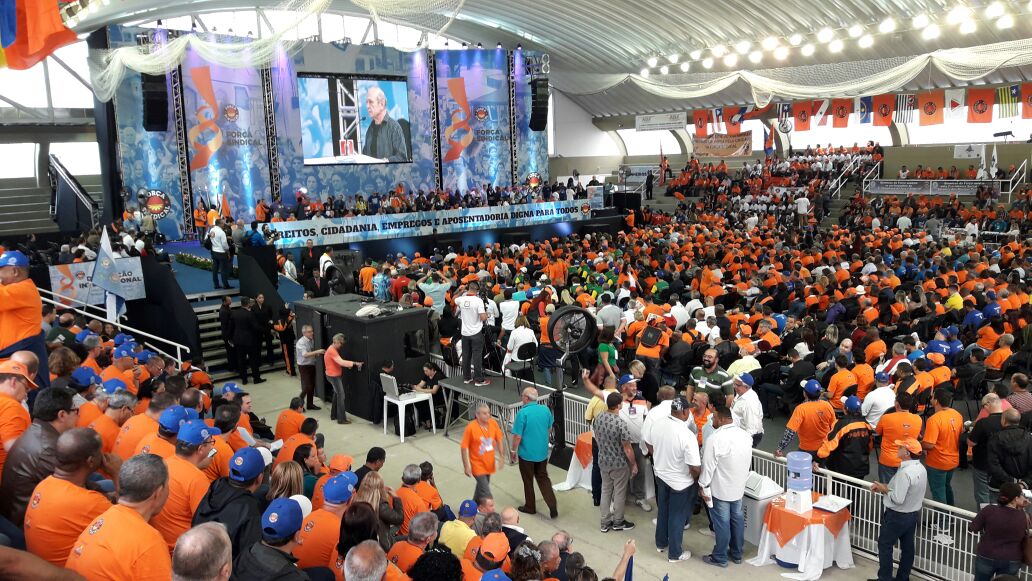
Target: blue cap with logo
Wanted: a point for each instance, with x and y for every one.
(952, 331)
(86, 376)
(467, 509)
(196, 432)
(282, 519)
(13, 258)
(350, 477)
(881, 377)
(81, 336)
(125, 350)
(246, 465)
(495, 575)
(123, 338)
(812, 387)
(173, 418)
(144, 356)
(625, 379)
(231, 387)
(852, 404)
(338, 489)
(112, 385)
(747, 379)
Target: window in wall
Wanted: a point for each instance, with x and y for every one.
(19, 160)
(649, 142)
(960, 131)
(66, 90)
(822, 135)
(27, 88)
(82, 158)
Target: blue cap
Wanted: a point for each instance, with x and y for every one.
(747, 379)
(231, 387)
(495, 575)
(625, 379)
(852, 404)
(112, 385)
(122, 338)
(81, 336)
(191, 414)
(143, 356)
(282, 519)
(350, 477)
(13, 258)
(467, 509)
(952, 331)
(196, 432)
(86, 376)
(125, 350)
(338, 489)
(991, 295)
(881, 377)
(173, 418)
(812, 387)
(246, 465)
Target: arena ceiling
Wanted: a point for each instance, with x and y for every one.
(586, 37)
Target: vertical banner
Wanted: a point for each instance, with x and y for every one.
(473, 114)
(226, 137)
(149, 160)
(532, 153)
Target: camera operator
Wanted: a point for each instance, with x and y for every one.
(473, 312)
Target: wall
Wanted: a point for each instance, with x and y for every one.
(575, 135)
(942, 155)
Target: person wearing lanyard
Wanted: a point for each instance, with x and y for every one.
(747, 409)
(903, 497)
(481, 444)
(306, 355)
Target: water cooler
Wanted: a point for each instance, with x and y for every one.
(799, 497)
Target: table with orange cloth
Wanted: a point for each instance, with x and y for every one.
(578, 475)
(814, 540)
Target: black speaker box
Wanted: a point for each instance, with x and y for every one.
(539, 104)
(155, 102)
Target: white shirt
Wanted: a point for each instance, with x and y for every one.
(802, 205)
(746, 364)
(693, 305)
(517, 339)
(726, 457)
(510, 310)
(656, 414)
(748, 413)
(675, 449)
(470, 308)
(904, 223)
(218, 240)
(633, 414)
(324, 263)
(680, 314)
(877, 402)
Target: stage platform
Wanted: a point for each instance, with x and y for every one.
(196, 282)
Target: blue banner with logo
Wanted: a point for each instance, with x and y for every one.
(74, 280)
(329, 231)
(531, 146)
(473, 114)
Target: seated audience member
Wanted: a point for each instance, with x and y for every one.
(231, 501)
(203, 553)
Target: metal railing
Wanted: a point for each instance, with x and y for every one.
(1015, 180)
(944, 548)
(875, 171)
(840, 180)
(86, 212)
(574, 423)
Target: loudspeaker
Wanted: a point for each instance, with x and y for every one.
(155, 102)
(539, 104)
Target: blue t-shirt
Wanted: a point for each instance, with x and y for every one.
(533, 422)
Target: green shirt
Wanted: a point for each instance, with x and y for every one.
(532, 424)
(607, 348)
(60, 335)
(719, 381)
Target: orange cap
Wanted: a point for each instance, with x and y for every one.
(341, 462)
(15, 368)
(936, 358)
(912, 445)
(495, 547)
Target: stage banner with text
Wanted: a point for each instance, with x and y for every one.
(226, 137)
(73, 281)
(661, 122)
(596, 197)
(473, 115)
(928, 187)
(721, 145)
(329, 231)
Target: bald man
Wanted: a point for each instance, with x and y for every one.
(383, 137)
(203, 553)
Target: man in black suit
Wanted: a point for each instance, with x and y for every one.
(309, 258)
(317, 285)
(263, 312)
(226, 327)
(246, 335)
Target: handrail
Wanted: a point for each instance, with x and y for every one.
(840, 180)
(72, 301)
(875, 170)
(80, 193)
(1015, 181)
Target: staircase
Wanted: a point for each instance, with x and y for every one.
(206, 306)
(26, 208)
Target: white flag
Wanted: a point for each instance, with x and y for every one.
(954, 104)
(820, 112)
(992, 165)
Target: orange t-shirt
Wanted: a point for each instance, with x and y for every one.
(864, 374)
(812, 421)
(943, 430)
(133, 431)
(319, 537)
(21, 312)
(58, 512)
(14, 420)
(288, 423)
(875, 350)
(112, 372)
(155, 444)
(412, 504)
(336, 565)
(480, 443)
(839, 382)
(333, 369)
(404, 554)
(108, 430)
(118, 545)
(430, 494)
(290, 445)
(187, 486)
(318, 498)
(219, 467)
(896, 426)
(87, 413)
(92, 364)
(998, 357)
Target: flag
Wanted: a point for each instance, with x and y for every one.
(882, 107)
(931, 107)
(906, 104)
(1008, 98)
(629, 572)
(701, 119)
(820, 111)
(980, 105)
(751, 112)
(106, 276)
(954, 104)
(224, 208)
(863, 109)
(733, 117)
(1026, 101)
(784, 111)
(662, 171)
(768, 142)
(840, 110)
(801, 111)
(39, 32)
(718, 120)
(993, 165)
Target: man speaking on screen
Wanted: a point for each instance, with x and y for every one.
(383, 136)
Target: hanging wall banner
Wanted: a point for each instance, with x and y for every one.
(327, 231)
(721, 145)
(661, 122)
(73, 281)
(929, 187)
(969, 151)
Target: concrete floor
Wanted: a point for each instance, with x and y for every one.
(576, 513)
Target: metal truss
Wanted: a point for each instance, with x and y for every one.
(270, 132)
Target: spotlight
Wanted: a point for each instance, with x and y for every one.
(719, 50)
(673, 58)
(1006, 21)
(781, 53)
(887, 26)
(993, 10)
(920, 21)
(653, 61)
(685, 66)
(755, 56)
(664, 70)
(835, 45)
(807, 49)
(931, 31)
(769, 43)
(743, 46)
(958, 15)
(645, 72)
(695, 54)
(825, 35)
(731, 60)
(967, 27)
(499, 45)
(707, 63)
(519, 47)
(480, 45)
(866, 41)
(795, 39)
(855, 31)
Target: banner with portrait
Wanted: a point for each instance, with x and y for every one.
(721, 145)
(473, 115)
(531, 146)
(73, 281)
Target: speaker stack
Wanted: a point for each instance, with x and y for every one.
(539, 104)
(155, 102)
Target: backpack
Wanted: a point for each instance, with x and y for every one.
(206, 242)
(650, 336)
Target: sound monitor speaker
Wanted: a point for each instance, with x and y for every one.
(155, 102)
(539, 104)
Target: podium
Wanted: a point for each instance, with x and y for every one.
(400, 335)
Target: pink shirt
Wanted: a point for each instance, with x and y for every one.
(333, 369)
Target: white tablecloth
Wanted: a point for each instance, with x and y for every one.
(578, 476)
(814, 549)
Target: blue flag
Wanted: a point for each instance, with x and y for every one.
(105, 273)
(863, 109)
(629, 574)
(768, 142)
